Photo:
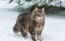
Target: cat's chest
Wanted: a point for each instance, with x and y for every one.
(39, 27)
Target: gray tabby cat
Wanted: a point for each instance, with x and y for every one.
(32, 22)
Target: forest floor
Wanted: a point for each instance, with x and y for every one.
(54, 29)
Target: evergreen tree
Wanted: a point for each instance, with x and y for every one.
(30, 3)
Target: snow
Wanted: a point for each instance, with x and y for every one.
(57, 3)
(28, 4)
(54, 29)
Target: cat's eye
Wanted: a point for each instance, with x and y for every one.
(42, 14)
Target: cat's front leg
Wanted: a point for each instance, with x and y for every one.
(39, 36)
(33, 36)
(32, 32)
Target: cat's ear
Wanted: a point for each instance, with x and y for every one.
(43, 9)
(36, 9)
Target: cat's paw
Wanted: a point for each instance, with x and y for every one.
(38, 40)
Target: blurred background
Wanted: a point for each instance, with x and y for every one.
(54, 29)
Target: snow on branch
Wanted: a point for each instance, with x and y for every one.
(29, 4)
(23, 4)
(58, 3)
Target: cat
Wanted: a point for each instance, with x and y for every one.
(32, 22)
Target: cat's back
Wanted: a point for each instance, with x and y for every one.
(24, 15)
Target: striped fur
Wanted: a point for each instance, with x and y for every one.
(32, 22)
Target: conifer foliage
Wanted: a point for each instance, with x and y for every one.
(24, 4)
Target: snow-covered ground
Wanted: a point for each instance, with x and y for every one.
(54, 27)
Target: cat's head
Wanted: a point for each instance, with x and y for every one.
(38, 13)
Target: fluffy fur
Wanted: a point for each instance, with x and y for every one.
(32, 22)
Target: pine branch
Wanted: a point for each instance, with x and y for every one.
(11, 1)
(29, 4)
(18, 1)
(28, 0)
